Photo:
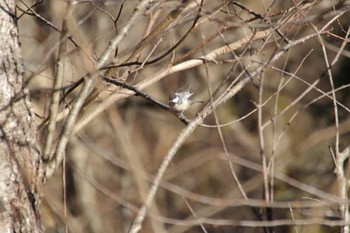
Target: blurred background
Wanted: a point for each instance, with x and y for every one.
(110, 164)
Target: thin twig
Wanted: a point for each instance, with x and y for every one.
(186, 132)
(221, 136)
(59, 76)
(146, 96)
(163, 73)
(88, 86)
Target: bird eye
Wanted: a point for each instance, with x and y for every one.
(174, 98)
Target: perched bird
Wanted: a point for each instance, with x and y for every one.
(180, 100)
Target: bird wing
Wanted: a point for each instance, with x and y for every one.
(187, 94)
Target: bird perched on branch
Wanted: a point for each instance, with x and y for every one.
(180, 100)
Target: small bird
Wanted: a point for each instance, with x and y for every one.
(180, 100)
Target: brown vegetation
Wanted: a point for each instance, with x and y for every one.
(266, 151)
